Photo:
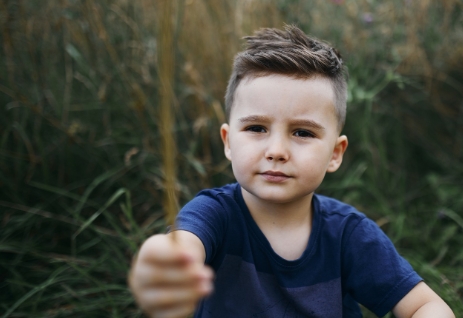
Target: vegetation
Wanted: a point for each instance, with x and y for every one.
(83, 151)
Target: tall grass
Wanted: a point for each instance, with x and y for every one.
(84, 148)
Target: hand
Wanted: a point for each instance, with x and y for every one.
(168, 278)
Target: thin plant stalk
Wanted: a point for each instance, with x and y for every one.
(167, 118)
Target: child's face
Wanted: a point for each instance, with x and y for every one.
(282, 136)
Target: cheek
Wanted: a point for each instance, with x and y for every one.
(313, 161)
(240, 171)
(243, 159)
(241, 149)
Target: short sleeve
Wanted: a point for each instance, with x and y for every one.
(374, 274)
(204, 216)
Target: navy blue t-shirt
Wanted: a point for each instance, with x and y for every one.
(348, 260)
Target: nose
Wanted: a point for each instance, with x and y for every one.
(277, 149)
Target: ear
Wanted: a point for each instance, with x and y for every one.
(224, 133)
(338, 151)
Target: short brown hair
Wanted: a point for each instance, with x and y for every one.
(290, 52)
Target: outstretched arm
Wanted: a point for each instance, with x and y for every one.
(422, 302)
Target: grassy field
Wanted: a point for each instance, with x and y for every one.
(109, 106)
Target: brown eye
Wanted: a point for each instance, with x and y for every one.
(256, 129)
(304, 134)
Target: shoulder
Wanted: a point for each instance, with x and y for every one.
(214, 199)
(226, 190)
(334, 211)
(354, 226)
(341, 220)
(333, 206)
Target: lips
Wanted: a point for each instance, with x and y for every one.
(274, 176)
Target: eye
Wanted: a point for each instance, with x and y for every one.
(256, 129)
(304, 133)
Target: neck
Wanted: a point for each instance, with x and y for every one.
(286, 226)
(294, 213)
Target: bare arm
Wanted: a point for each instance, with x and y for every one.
(169, 277)
(422, 302)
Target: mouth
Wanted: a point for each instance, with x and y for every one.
(274, 176)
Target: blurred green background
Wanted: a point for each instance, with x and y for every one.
(81, 149)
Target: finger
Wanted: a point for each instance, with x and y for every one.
(147, 276)
(169, 294)
(156, 299)
(177, 312)
(192, 275)
(161, 249)
(206, 284)
(166, 300)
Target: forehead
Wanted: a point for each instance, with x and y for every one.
(282, 96)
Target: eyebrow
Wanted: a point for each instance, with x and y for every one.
(297, 122)
(253, 118)
(307, 122)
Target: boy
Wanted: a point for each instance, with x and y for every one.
(278, 249)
